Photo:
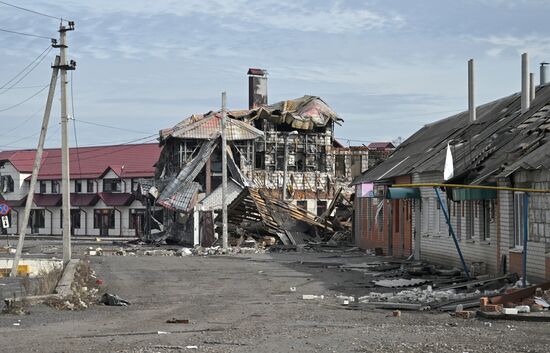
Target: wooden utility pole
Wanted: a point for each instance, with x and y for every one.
(224, 173)
(65, 176)
(36, 167)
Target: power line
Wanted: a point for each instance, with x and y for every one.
(25, 34)
(74, 125)
(21, 87)
(36, 62)
(31, 11)
(6, 132)
(111, 127)
(25, 100)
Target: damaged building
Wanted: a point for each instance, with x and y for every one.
(284, 151)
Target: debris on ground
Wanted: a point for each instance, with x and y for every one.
(177, 321)
(113, 300)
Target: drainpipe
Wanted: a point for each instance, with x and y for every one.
(85, 220)
(119, 220)
(525, 100)
(471, 92)
(51, 221)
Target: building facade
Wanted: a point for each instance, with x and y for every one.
(107, 184)
(498, 226)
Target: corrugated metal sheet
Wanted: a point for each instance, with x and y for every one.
(500, 141)
(183, 200)
(214, 200)
(208, 126)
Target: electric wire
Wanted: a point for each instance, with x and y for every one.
(25, 34)
(111, 127)
(31, 11)
(36, 62)
(25, 100)
(6, 132)
(74, 126)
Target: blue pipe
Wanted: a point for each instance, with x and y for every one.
(451, 230)
(525, 236)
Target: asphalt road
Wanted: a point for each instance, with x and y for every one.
(244, 304)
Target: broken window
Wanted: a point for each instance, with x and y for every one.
(302, 204)
(8, 184)
(321, 207)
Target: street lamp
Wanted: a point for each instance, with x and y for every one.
(293, 133)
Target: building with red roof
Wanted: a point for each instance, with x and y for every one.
(107, 184)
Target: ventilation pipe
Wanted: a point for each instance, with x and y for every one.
(471, 92)
(525, 100)
(257, 88)
(543, 73)
(532, 86)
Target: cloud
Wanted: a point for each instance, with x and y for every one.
(536, 45)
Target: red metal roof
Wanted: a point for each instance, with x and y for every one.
(90, 162)
(116, 199)
(47, 200)
(80, 200)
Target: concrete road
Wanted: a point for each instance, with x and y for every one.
(244, 304)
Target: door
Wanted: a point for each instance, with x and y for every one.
(104, 225)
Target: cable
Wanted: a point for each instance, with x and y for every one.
(25, 100)
(74, 127)
(32, 11)
(111, 127)
(21, 87)
(6, 132)
(25, 34)
(40, 58)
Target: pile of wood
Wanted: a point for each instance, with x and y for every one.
(256, 214)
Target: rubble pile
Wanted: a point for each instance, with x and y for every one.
(531, 303)
(270, 221)
(85, 290)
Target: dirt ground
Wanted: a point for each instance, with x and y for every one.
(244, 304)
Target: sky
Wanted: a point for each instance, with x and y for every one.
(387, 67)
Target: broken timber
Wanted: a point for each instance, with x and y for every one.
(255, 206)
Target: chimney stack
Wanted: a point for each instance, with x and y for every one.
(471, 92)
(525, 87)
(543, 73)
(532, 88)
(257, 88)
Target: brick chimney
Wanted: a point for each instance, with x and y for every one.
(257, 88)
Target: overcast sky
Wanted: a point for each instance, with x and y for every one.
(387, 67)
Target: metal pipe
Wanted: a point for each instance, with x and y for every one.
(451, 230)
(224, 173)
(543, 73)
(525, 236)
(471, 92)
(532, 88)
(487, 187)
(525, 100)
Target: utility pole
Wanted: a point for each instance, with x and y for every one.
(65, 177)
(224, 173)
(36, 167)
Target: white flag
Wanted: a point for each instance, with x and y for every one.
(448, 172)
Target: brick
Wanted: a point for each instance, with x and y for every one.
(493, 308)
(465, 314)
(483, 301)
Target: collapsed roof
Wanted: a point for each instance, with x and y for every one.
(303, 113)
(208, 126)
(501, 141)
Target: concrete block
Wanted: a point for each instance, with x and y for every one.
(491, 308)
(510, 311)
